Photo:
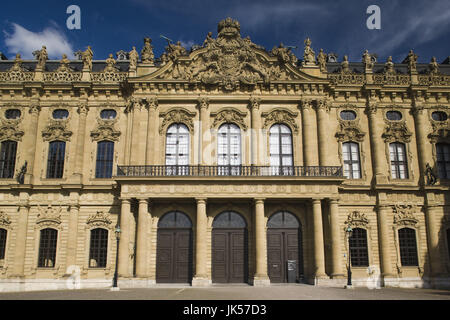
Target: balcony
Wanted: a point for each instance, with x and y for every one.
(238, 171)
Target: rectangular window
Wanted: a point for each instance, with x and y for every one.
(358, 248)
(3, 234)
(55, 163)
(443, 160)
(98, 248)
(8, 159)
(399, 165)
(352, 167)
(47, 248)
(105, 155)
(408, 247)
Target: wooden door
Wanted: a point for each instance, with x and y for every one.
(229, 256)
(282, 245)
(174, 256)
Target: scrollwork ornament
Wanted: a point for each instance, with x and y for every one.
(5, 221)
(203, 103)
(282, 117)
(49, 217)
(56, 130)
(177, 115)
(396, 131)
(100, 219)
(404, 215)
(230, 115)
(357, 219)
(254, 103)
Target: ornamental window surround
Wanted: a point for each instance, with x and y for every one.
(399, 163)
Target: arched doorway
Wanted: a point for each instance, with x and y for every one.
(229, 248)
(174, 248)
(284, 242)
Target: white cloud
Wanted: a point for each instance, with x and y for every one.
(187, 44)
(24, 41)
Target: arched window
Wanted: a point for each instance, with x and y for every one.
(352, 163)
(47, 248)
(98, 250)
(8, 159)
(358, 248)
(443, 160)
(283, 219)
(229, 220)
(3, 234)
(55, 162)
(177, 149)
(175, 219)
(229, 149)
(408, 247)
(105, 156)
(399, 165)
(281, 158)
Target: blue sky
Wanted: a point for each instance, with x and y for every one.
(336, 26)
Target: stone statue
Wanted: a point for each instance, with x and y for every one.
(110, 64)
(434, 67)
(147, 52)
(21, 174)
(389, 66)
(367, 60)
(208, 39)
(345, 65)
(309, 56)
(17, 63)
(412, 61)
(87, 59)
(64, 64)
(42, 57)
(175, 50)
(281, 52)
(431, 178)
(322, 59)
(134, 57)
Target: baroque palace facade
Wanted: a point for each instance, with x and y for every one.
(225, 164)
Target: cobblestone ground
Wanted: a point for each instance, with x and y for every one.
(290, 292)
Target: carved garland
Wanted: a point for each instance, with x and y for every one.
(229, 115)
(396, 131)
(177, 115)
(404, 215)
(56, 130)
(10, 131)
(105, 129)
(99, 220)
(49, 217)
(357, 219)
(280, 116)
(348, 130)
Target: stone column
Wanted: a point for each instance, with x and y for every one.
(79, 152)
(322, 124)
(309, 146)
(124, 242)
(255, 130)
(336, 240)
(21, 239)
(152, 131)
(424, 155)
(201, 277)
(30, 143)
(384, 240)
(319, 254)
(204, 132)
(74, 209)
(141, 247)
(135, 153)
(261, 278)
(379, 163)
(433, 240)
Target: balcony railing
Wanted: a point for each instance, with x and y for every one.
(217, 171)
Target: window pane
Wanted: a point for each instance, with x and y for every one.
(408, 247)
(8, 159)
(358, 248)
(47, 248)
(3, 234)
(177, 147)
(280, 141)
(98, 248)
(443, 160)
(105, 155)
(55, 163)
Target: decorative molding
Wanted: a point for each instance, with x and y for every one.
(357, 219)
(10, 131)
(177, 115)
(5, 221)
(229, 115)
(56, 130)
(348, 130)
(151, 102)
(49, 217)
(396, 131)
(203, 103)
(105, 131)
(100, 219)
(254, 103)
(404, 215)
(280, 116)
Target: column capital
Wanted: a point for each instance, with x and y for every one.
(333, 200)
(259, 200)
(125, 200)
(371, 108)
(35, 108)
(203, 103)
(151, 103)
(322, 104)
(254, 103)
(142, 200)
(305, 104)
(201, 200)
(83, 109)
(316, 200)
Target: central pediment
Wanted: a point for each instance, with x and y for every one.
(228, 61)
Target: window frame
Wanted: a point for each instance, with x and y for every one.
(54, 168)
(396, 163)
(3, 243)
(43, 254)
(359, 249)
(229, 169)
(281, 169)
(404, 255)
(351, 161)
(98, 250)
(177, 168)
(446, 163)
(8, 164)
(101, 165)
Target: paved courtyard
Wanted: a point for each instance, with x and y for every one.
(238, 292)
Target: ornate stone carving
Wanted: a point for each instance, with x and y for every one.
(105, 129)
(284, 54)
(10, 131)
(99, 220)
(323, 104)
(404, 214)
(134, 57)
(433, 66)
(49, 217)
(345, 69)
(41, 56)
(87, 59)
(357, 219)
(177, 115)
(110, 64)
(349, 130)
(64, 73)
(56, 130)
(151, 102)
(309, 56)
(228, 62)
(396, 131)
(17, 73)
(412, 62)
(389, 66)
(440, 131)
(5, 221)
(203, 103)
(254, 103)
(280, 116)
(322, 60)
(229, 115)
(367, 60)
(110, 76)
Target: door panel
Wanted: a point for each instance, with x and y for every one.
(283, 245)
(174, 256)
(229, 256)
